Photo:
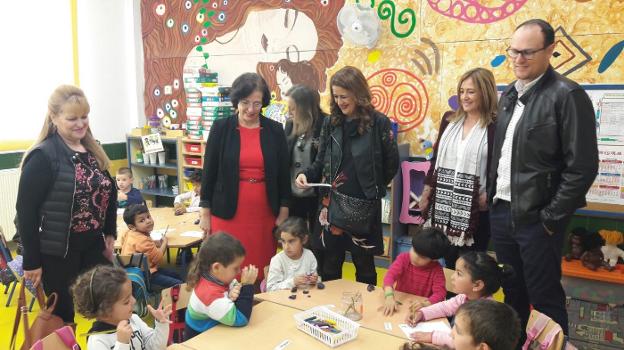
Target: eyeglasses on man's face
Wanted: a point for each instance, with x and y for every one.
(529, 54)
(246, 104)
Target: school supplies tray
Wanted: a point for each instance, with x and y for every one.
(327, 326)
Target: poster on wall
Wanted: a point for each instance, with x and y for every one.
(609, 184)
(608, 101)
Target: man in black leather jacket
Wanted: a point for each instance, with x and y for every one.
(544, 160)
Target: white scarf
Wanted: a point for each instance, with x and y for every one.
(456, 194)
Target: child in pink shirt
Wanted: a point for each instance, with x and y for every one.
(477, 276)
(418, 272)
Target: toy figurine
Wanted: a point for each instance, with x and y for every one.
(592, 258)
(576, 245)
(610, 250)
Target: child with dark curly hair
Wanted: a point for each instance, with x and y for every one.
(105, 294)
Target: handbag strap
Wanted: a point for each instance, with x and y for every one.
(67, 336)
(21, 309)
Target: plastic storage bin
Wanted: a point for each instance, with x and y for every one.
(348, 329)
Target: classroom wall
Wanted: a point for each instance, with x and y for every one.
(109, 44)
(423, 47)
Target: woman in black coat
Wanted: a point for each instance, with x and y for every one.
(358, 156)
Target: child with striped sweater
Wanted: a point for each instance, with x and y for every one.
(217, 297)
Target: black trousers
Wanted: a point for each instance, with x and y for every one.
(535, 256)
(305, 208)
(58, 273)
(481, 241)
(330, 265)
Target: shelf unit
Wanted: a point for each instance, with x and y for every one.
(158, 196)
(192, 157)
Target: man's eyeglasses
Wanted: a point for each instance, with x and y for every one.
(529, 54)
(245, 104)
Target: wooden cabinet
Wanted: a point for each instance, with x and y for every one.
(191, 158)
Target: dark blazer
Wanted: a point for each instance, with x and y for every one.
(220, 178)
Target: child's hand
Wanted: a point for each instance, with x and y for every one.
(164, 241)
(313, 278)
(417, 305)
(300, 280)
(390, 306)
(124, 332)
(414, 319)
(234, 292)
(249, 274)
(121, 196)
(179, 208)
(424, 337)
(161, 314)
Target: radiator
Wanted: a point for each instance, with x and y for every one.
(9, 180)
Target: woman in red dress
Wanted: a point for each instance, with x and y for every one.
(246, 183)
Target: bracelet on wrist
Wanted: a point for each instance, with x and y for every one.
(389, 294)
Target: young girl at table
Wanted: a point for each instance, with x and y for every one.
(294, 265)
(217, 297)
(105, 293)
(482, 324)
(418, 271)
(477, 276)
(191, 196)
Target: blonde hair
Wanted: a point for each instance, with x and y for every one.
(485, 84)
(61, 96)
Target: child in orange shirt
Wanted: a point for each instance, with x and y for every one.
(137, 240)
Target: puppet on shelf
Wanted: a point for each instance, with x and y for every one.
(592, 258)
(576, 243)
(610, 250)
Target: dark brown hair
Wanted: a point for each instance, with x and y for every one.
(482, 267)
(220, 247)
(97, 290)
(352, 79)
(492, 323)
(295, 226)
(245, 85)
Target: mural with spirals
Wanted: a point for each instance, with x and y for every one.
(423, 47)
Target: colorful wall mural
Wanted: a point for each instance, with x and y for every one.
(411, 51)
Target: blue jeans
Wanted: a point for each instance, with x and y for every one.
(535, 256)
(165, 278)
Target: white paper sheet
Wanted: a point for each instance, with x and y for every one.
(428, 326)
(318, 185)
(196, 234)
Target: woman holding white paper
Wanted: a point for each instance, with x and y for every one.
(358, 156)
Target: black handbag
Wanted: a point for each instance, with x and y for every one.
(351, 214)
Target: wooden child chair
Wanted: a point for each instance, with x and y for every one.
(545, 334)
(179, 297)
